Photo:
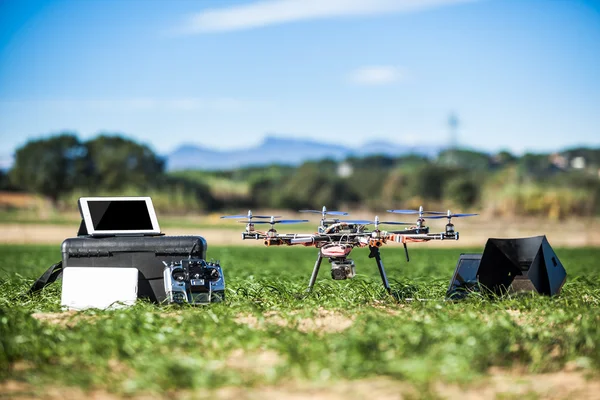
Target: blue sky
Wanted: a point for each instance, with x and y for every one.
(521, 75)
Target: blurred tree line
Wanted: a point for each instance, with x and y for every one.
(63, 168)
(501, 184)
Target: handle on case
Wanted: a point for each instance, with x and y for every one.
(51, 275)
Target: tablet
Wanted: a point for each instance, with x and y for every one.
(111, 216)
(90, 287)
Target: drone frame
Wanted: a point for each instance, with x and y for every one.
(352, 233)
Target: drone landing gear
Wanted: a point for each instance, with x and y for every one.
(377, 256)
(315, 272)
(374, 254)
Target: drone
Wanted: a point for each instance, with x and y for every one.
(336, 238)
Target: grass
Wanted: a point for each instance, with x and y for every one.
(269, 331)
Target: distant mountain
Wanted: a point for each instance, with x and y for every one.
(393, 150)
(275, 149)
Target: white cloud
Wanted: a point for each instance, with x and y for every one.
(270, 12)
(377, 75)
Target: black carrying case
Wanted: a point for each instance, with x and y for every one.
(146, 253)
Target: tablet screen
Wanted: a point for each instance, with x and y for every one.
(111, 216)
(130, 215)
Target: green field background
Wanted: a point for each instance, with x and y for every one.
(414, 336)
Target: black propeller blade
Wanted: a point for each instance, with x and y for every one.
(416, 212)
(357, 221)
(449, 216)
(277, 221)
(245, 216)
(326, 212)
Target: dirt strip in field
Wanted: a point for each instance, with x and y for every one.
(473, 232)
(55, 234)
(499, 384)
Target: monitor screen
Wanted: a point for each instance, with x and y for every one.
(130, 215)
(465, 274)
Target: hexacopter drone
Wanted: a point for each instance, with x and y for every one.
(335, 238)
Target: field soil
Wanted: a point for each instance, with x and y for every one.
(473, 232)
(500, 384)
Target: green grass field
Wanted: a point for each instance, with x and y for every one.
(270, 333)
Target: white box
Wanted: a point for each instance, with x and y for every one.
(89, 287)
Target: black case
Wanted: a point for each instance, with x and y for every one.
(146, 253)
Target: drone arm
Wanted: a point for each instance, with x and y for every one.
(308, 240)
(416, 237)
(290, 239)
(253, 235)
(399, 237)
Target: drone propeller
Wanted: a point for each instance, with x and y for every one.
(278, 221)
(249, 216)
(356, 221)
(421, 212)
(449, 215)
(376, 222)
(245, 216)
(324, 213)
